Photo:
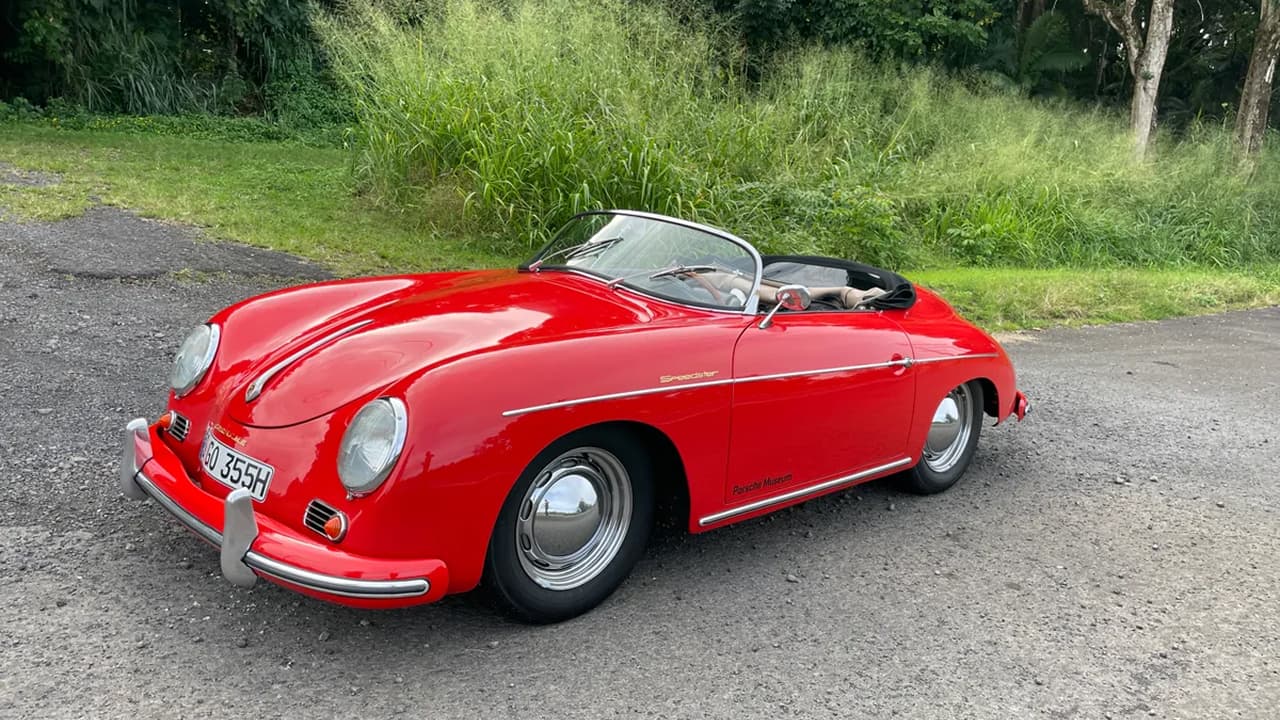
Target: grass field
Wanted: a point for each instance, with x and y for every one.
(302, 199)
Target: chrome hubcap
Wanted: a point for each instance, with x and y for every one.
(949, 433)
(574, 518)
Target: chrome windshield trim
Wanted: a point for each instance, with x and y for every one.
(255, 388)
(904, 362)
(799, 493)
(651, 296)
(753, 301)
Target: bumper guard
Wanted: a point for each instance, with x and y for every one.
(241, 565)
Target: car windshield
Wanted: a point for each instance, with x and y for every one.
(658, 256)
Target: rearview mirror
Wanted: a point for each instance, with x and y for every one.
(789, 297)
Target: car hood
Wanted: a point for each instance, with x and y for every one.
(390, 328)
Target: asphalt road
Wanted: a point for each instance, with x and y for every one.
(1113, 556)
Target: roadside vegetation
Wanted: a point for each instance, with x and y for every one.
(416, 136)
(288, 196)
(554, 106)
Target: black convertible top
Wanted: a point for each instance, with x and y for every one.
(815, 271)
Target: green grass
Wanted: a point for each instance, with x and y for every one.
(1020, 298)
(286, 196)
(536, 109)
(300, 199)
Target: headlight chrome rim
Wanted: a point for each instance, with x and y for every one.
(206, 360)
(400, 433)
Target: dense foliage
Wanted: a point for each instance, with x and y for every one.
(548, 107)
(168, 57)
(256, 56)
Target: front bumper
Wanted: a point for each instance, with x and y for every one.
(253, 545)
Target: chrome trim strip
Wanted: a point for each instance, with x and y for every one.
(905, 362)
(752, 304)
(616, 396)
(346, 587)
(799, 493)
(918, 361)
(206, 362)
(186, 518)
(255, 388)
(651, 296)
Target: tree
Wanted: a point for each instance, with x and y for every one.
(1145, 57)
(1251, 123)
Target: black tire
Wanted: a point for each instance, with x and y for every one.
(947, 465)
(510, 569)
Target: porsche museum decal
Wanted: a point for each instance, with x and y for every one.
(761, 484)
(689, 376)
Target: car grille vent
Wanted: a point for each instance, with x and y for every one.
(179, 427)
(317, 515)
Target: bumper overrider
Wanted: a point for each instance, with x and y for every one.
(253, 545)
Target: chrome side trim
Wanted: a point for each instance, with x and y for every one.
(905, 362)
(919, 361)
(616, 396)
(255, 388)
(799, 493)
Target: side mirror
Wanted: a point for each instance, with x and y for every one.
(790, 297)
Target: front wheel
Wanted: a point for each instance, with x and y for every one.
(952, 440)
(572, 527)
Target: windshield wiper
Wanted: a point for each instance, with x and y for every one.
(577, 251)
(666, 272)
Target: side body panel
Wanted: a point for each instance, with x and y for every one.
(817, 396)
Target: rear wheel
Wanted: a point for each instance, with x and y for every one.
(572, 527)
(952, 440)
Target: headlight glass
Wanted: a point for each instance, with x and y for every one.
(194, 358)
(371, 445)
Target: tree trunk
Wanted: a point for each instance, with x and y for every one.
(1251, 122)
(1146, 80)
(1146, 58)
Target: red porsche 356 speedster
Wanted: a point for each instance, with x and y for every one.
(383, 442)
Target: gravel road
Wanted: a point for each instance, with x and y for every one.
(1113, 556)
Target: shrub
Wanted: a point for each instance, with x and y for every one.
(533, 110)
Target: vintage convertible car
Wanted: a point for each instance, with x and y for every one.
(383, 442)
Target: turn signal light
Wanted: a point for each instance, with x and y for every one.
(335, 527)
(165, 421)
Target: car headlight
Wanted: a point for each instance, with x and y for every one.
(194, 358)
(371, 445)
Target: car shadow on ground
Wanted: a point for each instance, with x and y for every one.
(765, 557)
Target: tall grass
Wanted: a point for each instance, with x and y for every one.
(532, 110)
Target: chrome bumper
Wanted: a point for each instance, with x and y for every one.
(240, 564)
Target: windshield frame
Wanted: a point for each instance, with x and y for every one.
(750, 307)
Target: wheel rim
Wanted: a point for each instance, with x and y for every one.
(950, 430)
(574, 518)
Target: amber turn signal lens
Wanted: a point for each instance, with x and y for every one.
(165, 421)
(335, 527)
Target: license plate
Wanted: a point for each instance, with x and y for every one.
(235, 469)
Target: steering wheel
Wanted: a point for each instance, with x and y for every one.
(707, 285)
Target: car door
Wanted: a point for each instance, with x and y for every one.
(816, 396)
